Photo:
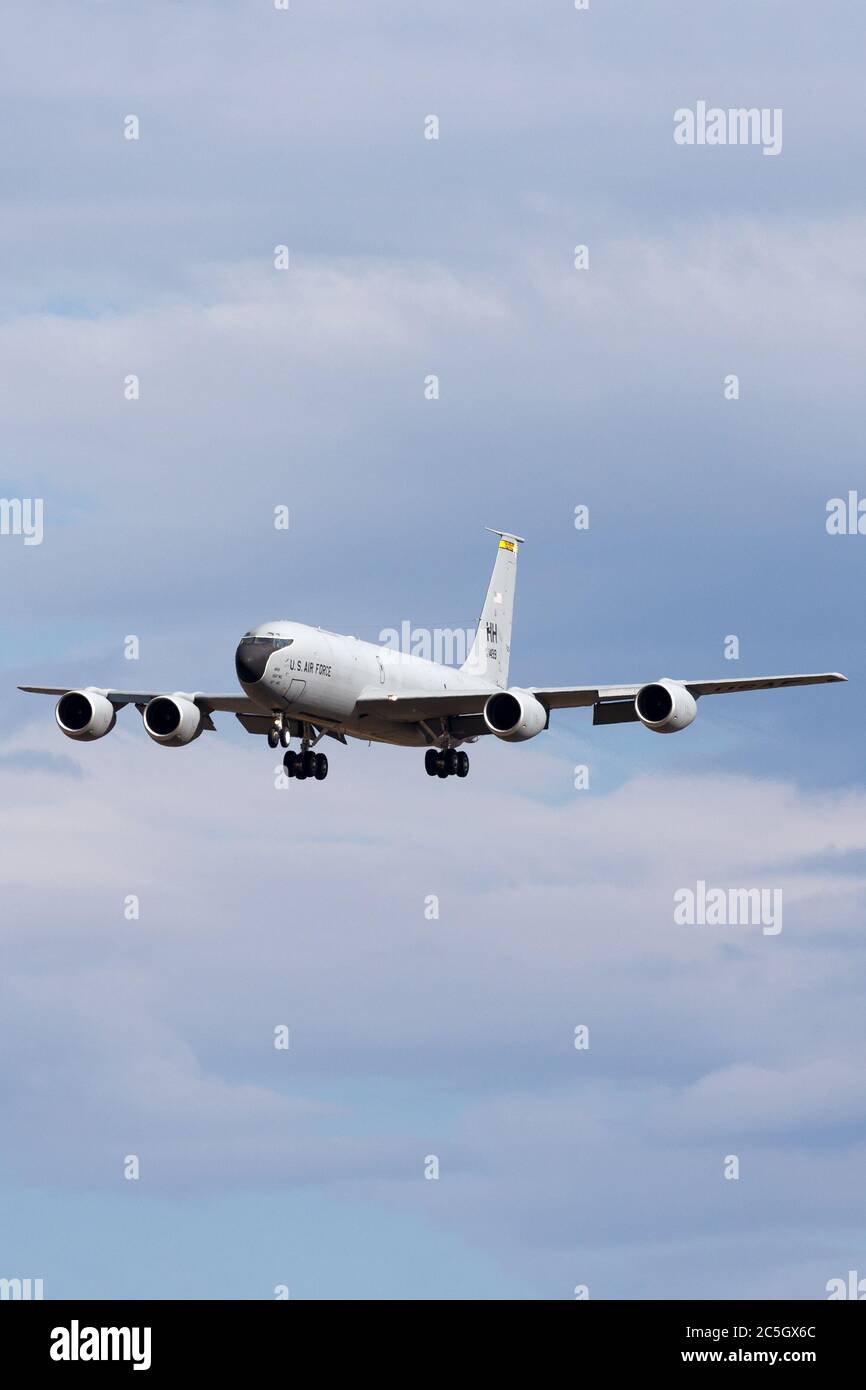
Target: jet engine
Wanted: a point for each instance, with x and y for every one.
(84, 714)
(665, 706)
(173, 720)
(515, 715)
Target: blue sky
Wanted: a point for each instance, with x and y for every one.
(305, 906)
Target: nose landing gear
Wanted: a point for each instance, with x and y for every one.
(279, 733)
(446, 762)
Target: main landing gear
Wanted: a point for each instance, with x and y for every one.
(301, 765)
(306, 764)
(446, 762)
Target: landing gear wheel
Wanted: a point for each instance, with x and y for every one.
(321, 767)
(462, 764)
(300, 770)
(441, 765)
(290, 763)
(431, 762)
(273, 737)
(308, 760)
(452, 761)
(285, 737)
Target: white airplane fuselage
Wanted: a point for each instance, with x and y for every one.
(315, 676)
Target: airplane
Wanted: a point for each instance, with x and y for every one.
(306, 683)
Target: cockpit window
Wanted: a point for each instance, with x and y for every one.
(271, 644)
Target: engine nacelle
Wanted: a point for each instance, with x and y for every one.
(85, 714)
(665, 706)
(515, 715)
(173, 720)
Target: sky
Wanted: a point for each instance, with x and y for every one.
(597, 1169)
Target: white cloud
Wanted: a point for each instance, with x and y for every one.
(305, 907)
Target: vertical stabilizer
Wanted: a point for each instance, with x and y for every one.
(491, 650)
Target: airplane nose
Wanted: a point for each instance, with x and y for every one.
(251, 658)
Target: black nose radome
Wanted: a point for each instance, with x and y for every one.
(252, 654)
(251, 660)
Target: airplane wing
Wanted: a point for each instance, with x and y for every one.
(570, 696)
(413, 705)
(228, 704)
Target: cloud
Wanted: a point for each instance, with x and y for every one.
(261, 907)
(27, 760)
